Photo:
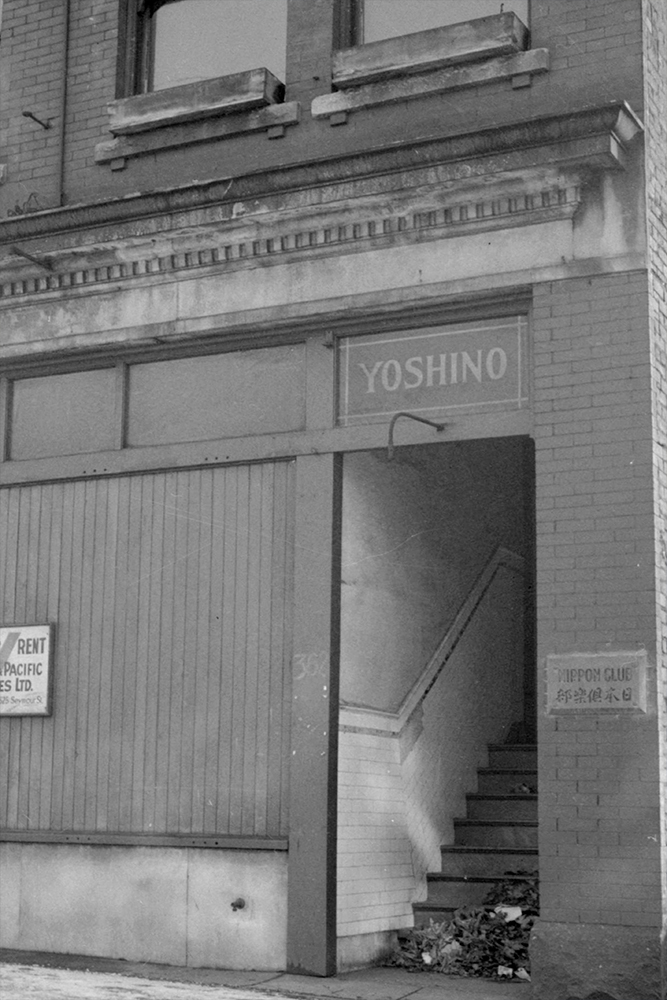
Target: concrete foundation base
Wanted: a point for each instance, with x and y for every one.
(595, 962)
(153, 904)
(358, 951)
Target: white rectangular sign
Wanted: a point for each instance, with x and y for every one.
(613, 682)
(471, 367)
(25, 669)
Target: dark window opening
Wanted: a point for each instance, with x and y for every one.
(374, 20)
(168, 43)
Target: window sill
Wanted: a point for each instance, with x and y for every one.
(470, 41)
(193, 113)
(453, 57)
(519, 68)
(222, 95)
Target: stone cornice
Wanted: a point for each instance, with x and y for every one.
(590, 138)
(496, 208)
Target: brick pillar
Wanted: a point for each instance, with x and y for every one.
(654, 19)
(310, 43)
(599, 780)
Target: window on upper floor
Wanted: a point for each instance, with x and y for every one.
(378, 19)
(183, 62)
(173, 42)
(385, 39)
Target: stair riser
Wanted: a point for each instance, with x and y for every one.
(495, 836)
(470, 863)
(520, 809)
(455, 894)
(521, 759)
(504, 784)
(424, 917)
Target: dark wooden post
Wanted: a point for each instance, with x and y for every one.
(311, 923)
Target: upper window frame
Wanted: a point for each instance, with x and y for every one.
(131, 37)
(136, 50)
(350, 23)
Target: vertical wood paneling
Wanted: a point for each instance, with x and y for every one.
(224, 797)
(280, 692)
(85, 680)
(203, 655)
(140, 736)
(51, 614)
(61, 691)
(36, 607)
(107, 581)
(164, 641)
(217, 715)
(195, 579)
(13, 740)
(155, 674)
(172, 596)
(240, 617)
(115, 707)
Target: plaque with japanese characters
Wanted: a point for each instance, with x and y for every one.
(613, 682)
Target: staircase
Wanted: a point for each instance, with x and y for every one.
(499, 834)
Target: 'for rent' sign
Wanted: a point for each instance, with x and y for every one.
(25, 669)
(469, 367)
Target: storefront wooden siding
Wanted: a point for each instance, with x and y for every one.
(172, 594)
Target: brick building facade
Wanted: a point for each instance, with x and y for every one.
(281, 648)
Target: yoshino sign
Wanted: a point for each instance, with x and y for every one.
(469, 367)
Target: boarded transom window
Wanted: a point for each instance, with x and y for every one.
(201, 39)
(63, 414)
(392, 18)
(217, 396)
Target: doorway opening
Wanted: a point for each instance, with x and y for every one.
(437, 657)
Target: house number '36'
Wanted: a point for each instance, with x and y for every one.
(311, 665)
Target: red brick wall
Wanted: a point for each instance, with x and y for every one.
(599, 774)
(655, 85)
(595, 49)
(310, 43)
(593, 451)
(593, 43)
(31, 79)
(91, 85)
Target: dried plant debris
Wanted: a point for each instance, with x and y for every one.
(488, 941)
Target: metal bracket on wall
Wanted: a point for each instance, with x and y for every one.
(39, 261)
(40, 121)
(410, 416)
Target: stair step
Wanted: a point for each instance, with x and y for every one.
(506, 780)
(521, 755)
(425, 912)
(495, 833)
(452, 891)
(498, 807)
(467, 860)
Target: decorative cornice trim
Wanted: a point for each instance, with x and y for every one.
(434, 223)
(587, 129)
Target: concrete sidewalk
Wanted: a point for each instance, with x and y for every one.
(41, 976)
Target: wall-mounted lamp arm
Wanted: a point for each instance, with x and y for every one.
(410, 416)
